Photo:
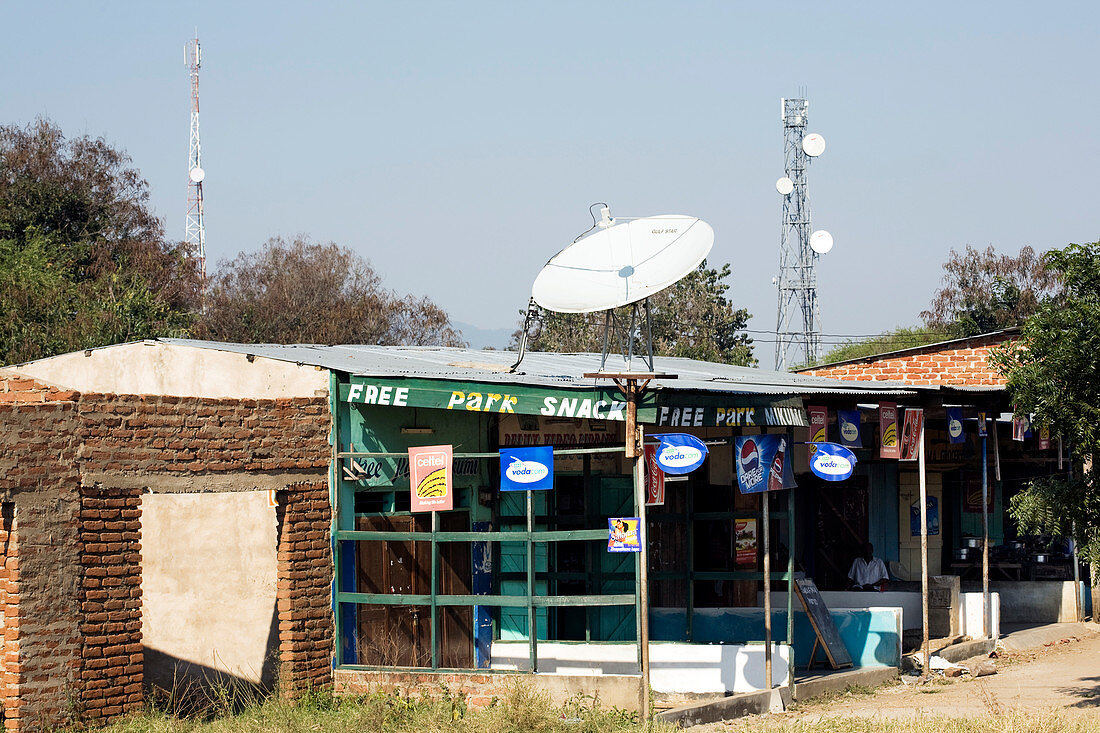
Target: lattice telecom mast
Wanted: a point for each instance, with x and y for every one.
(195, 233)
(799, 249)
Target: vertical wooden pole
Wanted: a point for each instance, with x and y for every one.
(767, 593)
(532, 616)
(987, 611)
(923, 548)
(435, 590)
(636, 451)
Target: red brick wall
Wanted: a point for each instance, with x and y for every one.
(70, 594)
(304, 588)
(958, 363)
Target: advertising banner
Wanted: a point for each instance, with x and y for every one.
(848, 423)
(745, 542)
(623, 535)
(527, 469)
(888, 430)
(1019, 428)
(819, 424)
(955, 425)
(430, 486)
(983, 429)
(680, 453)
(911, 433)
(933, 517)
(654, 478)
(761, 462)
(972, 499)
(1044, 438)
(831, 462)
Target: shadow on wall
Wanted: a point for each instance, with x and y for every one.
(181, 687)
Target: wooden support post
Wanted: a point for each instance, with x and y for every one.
(532, 616)
(790, 568)
(643, 578)
(923, 550)
(767, 593)
(987, 611)
(435, 591)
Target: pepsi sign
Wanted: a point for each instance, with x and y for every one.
(527, 469)
(761, 462)
(680, 453)
(831, 462)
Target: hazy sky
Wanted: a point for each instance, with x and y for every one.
(458, 145)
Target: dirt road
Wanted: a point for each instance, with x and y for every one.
(1064, 676)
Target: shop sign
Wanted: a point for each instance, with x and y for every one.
(888, 430)
(983, 429)
(761, 462)
(730, 416)
(680, 453)
(383, 472)
(654, 478)
(430, 484)
(912, 433)
(955, 425)
(819, 423)
(831, 462)
(624, 535)
(526, 469)
(848, 422)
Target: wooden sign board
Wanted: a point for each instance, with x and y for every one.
(828, 637)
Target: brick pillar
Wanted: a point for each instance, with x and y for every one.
(304, 588)
(10, 671)
(110, 594)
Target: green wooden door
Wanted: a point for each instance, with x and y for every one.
(513, 559)
(615, 498)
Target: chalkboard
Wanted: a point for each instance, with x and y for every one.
(822, 621)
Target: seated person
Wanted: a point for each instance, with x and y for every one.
(868, 572)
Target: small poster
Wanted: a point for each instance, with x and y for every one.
(848, 421)
(888, 430)
(955, 425)
(1019, 428)
(527, 469)
(623, 535)
(933, 517)
(983, 429)
(654, 478)
(972, 500)
(819, 423)
(1044, 438)
(430, 478)
(745, 542)
(761, 462)
(912, 433)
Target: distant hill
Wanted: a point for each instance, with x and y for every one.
(479, 338)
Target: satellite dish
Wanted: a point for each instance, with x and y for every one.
(821, 241)
(813, 145)
(197, 174)
(784, 185)
(626, 262)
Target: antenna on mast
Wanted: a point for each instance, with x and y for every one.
(799, 246)
(195, 232)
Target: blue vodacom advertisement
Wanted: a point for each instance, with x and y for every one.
(680, 453)
(527, 469)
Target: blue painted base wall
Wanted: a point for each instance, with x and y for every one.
(870, 635)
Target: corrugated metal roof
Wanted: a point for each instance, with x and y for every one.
(544, 368)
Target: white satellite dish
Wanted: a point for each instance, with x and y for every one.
(813, 145)
(784, 185)
(197, 174)
(821, 241)
(624, 263)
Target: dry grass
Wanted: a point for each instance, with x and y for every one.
(522, 710)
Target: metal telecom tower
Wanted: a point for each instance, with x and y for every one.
(196, 231)
(799, 249)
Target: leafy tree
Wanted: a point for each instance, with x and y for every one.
(984, 291)
(691, 319)
(298, 291)
(905, 337)
(1053, 373)
(83, 261)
